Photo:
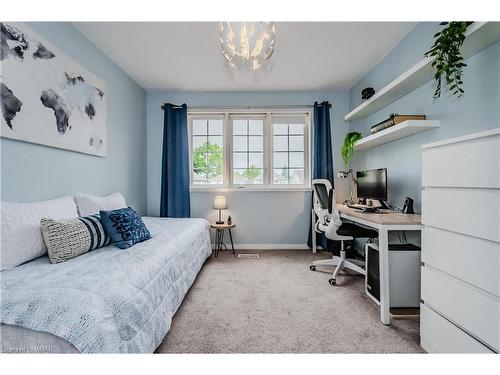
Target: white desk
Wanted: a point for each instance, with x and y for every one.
(383, 223)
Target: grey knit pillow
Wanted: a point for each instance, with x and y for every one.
(69, 238)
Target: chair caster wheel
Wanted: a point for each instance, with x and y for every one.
(312, 268)
(332, 282)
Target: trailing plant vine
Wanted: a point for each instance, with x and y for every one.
(348, 146)
(448, 61)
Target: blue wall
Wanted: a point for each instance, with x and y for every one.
(32, 172)
(478, 110)
(262, 217)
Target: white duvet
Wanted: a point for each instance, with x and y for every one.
(110, 300)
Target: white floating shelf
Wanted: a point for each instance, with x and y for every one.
(479, 35)
(401, 130)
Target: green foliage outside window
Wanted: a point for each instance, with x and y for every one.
(251, 173)
(208, 160)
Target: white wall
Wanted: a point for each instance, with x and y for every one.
(275, 218)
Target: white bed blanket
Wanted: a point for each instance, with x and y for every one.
(110, 300)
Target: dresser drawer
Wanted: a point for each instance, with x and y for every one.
(438, 335)
(474, 163)
(473, 310)
(475, 212)
(468, 258)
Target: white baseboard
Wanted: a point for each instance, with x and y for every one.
(268, 246)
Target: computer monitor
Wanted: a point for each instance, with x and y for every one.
(372, 184)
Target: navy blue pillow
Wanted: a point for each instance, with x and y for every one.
(125, 227)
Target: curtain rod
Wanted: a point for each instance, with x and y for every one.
(247, 107)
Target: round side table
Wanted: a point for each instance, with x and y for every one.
(219, 236)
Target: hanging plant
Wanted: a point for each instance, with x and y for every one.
(448, 61)
(348, 146)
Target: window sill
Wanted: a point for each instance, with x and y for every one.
(248, 190)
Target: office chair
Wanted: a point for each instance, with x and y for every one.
(331, 225)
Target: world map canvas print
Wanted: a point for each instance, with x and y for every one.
(48, 98)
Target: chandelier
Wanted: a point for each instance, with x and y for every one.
(247, 45)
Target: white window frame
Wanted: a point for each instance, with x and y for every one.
(249, 116)
(212, 116)
(267, 113)
(307, 148)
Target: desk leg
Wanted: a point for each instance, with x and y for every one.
(383, 241)
(313, 231)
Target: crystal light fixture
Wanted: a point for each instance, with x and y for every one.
(247, 45)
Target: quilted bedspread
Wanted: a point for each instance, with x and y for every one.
(110, 300)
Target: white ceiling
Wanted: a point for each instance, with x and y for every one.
(186, 55)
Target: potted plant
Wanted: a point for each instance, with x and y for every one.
(448, 61)
(348, 146)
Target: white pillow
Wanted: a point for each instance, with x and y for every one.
(91, 205)
(21, 234)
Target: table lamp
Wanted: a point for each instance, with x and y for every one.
(352, 189)
(220, 204)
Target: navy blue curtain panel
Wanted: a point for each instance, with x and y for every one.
(322, 159)
(174, 200)
(322, 142)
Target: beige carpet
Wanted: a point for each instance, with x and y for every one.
(275, 304)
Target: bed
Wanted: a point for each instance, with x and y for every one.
(105, 301)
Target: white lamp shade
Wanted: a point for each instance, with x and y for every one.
(220, 202)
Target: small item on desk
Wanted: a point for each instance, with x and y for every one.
(408, 206)
(367, 209)
(229, 220)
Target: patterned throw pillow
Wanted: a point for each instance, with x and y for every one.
(69, 238)
(125, 227)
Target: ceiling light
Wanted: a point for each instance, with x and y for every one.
(247, 45)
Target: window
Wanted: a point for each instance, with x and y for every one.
(207, 151)
(253, 150)
(248, 150)
(288, 151)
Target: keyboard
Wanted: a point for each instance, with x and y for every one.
(357, 206)
(363, 207)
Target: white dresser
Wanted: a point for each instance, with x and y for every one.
(460, 291)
